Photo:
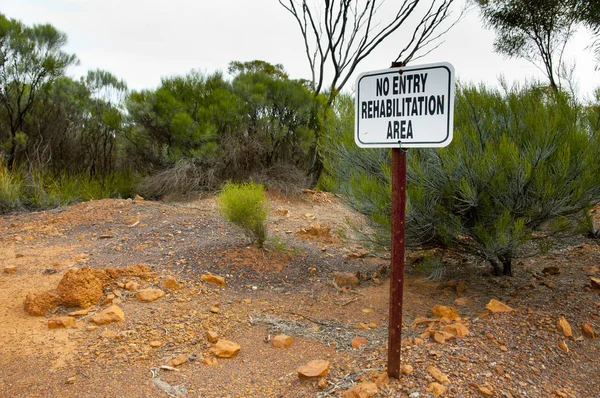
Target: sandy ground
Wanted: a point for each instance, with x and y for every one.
(287, 288)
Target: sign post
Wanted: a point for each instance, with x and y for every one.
(398, 108)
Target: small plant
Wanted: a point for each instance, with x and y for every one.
(245, 205)
(432, 267)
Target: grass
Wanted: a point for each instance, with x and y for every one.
(23, 190)
(245, 205)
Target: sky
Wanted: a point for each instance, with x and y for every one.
(142, 41)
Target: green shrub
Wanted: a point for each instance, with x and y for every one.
(10, 190)
(245, 205)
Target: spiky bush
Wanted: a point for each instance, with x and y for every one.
(520, 160)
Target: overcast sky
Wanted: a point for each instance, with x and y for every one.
(141, 41)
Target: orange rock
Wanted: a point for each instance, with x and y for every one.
(217, 280)
(486, 391)
(178, 360)
(588, 331)
(358, 341)
(497, 306)
(10, 269)
(362, 326)
(563, 346)
(155, 344)
(40, 303)
(322, 384)
(457, 329)
(462, 301)
(382, 379)
(443, 311)
(564, 327)
(595, 282)
(61, 322)
(345, 279)
(314, 368)
(80, 312)
(149, 294)
(225, 349)
(362, 390)
(171, 283)
(211, 336)
(436, 389)
(461, 288)
(82, 287)
(282, 341)
(111, 314)
(407, 370)
(438, 375)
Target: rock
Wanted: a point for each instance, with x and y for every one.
(314, 368)
(563, 346)
(443, 311)
(588, 331)
(462, 301)
(111, 314)
(91, 328)
(499, 370)
(80, 312)
(225, 349)
(149, 294)
(382, 380)
(81, 287)
(78, 325)
(108, 299)
(10, 269)
(564, 327)
(110, 334)
(362, 326)
(439, 337)
(373, 325)
(345, 279)
(418, 341)
(132, 286)
(312, 271)
(40, 303)
(322, 384)
(497, 306)
(407, 370)
(358, 341)
(209, 361)
(217, 280)
(486, 391)
(457, 329)
(552, 270)
(595, 282)
(436, 389)
(282, 341)
(362, 390)
(215, 309)
(559, 394)
(178, 360)
(60, 322)
(138, 198)
(438, 375)
(170, 283)
(155, 344)
(461, 288)
(212, 336)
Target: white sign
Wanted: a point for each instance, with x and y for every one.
(408, 107)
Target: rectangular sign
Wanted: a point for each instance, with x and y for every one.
(407, 107)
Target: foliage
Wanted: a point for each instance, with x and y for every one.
(245, 205)
(22, 189)
(535, 30)
(30, 59)
(518, 160)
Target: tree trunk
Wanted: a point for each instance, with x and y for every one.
(507, 263)
(496, 266)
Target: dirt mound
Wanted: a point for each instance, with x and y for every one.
(80, 287)
(42, 302)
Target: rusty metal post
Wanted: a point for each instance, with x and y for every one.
(397, 261)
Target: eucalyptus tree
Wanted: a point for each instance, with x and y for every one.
(31, 57)
(339, 35)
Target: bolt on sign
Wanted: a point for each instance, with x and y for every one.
(408, 106)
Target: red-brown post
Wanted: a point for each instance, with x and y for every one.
(397, 261)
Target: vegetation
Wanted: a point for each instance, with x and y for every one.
(245, 205)
(520, 161)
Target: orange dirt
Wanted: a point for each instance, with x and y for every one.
(285, 289)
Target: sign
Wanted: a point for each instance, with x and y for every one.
(405, 107)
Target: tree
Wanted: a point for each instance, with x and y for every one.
(338, 36)
(535, 30)
(30, 59)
